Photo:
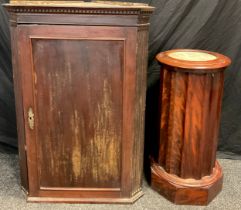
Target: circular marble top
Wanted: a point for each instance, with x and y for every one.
(199, 61)
(192, 56)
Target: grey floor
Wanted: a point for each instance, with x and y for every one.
(11, 197)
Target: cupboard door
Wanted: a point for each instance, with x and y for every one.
(78, 93)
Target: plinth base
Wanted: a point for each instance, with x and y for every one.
(103, 200)
(187, 191)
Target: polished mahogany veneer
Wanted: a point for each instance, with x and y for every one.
(185, 169)
(80, 82)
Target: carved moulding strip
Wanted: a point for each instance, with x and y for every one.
(74, 10)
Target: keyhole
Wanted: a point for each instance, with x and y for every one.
(30, 118)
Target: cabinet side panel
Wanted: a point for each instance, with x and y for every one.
(19, 109)
(78, 92)
(140, 101)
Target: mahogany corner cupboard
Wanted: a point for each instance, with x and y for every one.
(80, 81)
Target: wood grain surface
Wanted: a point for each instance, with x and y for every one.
(81, 128)
(190, 115)
(187, 191)
(81, 102)
(190, 108)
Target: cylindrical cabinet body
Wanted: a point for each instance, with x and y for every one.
(185, 169)
(80, 80)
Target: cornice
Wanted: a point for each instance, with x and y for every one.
(76, 10)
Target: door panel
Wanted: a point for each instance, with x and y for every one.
(80, 83)
(78, 94)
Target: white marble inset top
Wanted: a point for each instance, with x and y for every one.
(192, 56)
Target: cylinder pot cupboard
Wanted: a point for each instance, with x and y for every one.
(185, 169)
(80, 81)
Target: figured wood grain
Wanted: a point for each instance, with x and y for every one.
(164, 113)
(190, 110)
(175, 123)
(191, 167)
(187, 191)
(187, 123)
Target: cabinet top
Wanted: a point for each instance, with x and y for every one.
(94, 7)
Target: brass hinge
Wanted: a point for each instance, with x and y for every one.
(31, 118)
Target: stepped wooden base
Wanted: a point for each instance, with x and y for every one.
(187, 191)
(130, 200)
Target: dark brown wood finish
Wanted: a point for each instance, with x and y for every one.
(139, 120)
(93, 122)
(81, 90)
(19, 111)
(191, 96)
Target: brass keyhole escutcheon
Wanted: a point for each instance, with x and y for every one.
(31, 118)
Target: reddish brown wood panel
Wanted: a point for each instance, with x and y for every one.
(187, 191)
(173, 104)
(191, 166)
(191, 95)
(164, 114)
(175, 122)
(201, 124)
(211, 121)
(78, 112)
(190, 111)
